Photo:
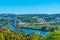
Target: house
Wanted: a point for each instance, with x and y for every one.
(21, 24)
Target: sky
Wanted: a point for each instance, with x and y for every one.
(30, 6)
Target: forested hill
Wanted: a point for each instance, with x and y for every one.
(34, 21)
(32, 17)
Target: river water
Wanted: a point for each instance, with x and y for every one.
(29, 31)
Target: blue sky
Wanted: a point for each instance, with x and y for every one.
(30, 6)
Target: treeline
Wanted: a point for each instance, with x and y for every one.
(31, 17)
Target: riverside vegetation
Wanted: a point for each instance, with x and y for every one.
(11, 35)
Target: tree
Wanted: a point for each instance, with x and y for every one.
(34, 36)
(55, 35)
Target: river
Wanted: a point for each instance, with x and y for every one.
(29, 31)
